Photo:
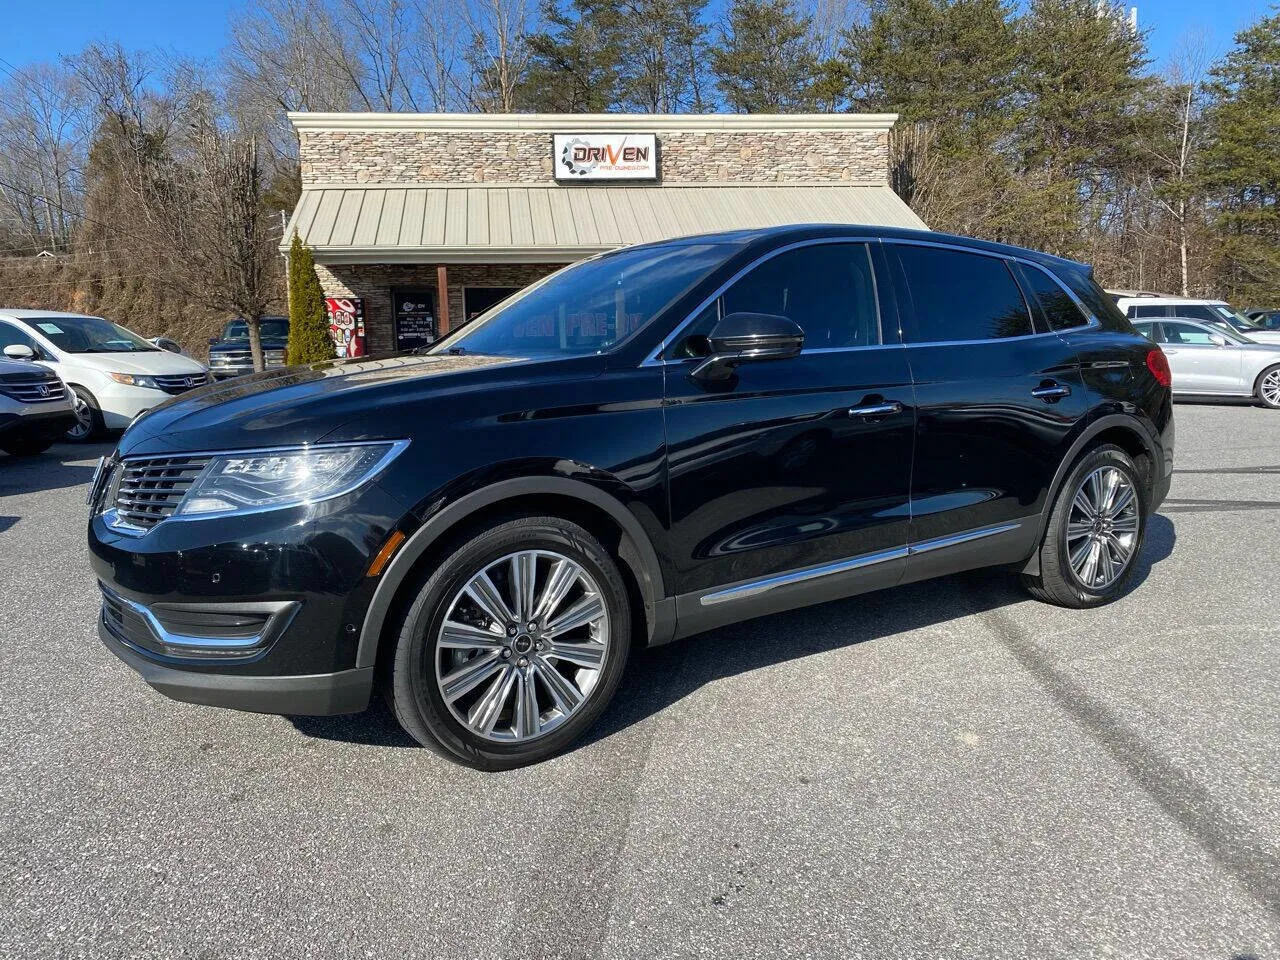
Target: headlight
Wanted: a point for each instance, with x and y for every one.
(135, 380)
(269, 479)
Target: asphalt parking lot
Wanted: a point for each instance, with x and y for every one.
(944, 770)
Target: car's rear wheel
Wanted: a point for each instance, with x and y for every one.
(1268, 388)
(513, 646)
(89, 424)
(1095, 532)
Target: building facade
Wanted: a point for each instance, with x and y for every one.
(419, 222)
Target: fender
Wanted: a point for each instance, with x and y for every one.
(441, 523)
(1110, 421)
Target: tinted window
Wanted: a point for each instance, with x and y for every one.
(960, 296)
(1148, 311)
(827, 289)
(11, 336)
(1059, 309)
(1186, 333)
(1080, 281)
(1147, 329)
(590, 306)
(272, 327)
(1195, 311)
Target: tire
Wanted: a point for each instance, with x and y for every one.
(1095, 542)
(475, 663)
(26, 444)
(89, 425)
(1267, 389)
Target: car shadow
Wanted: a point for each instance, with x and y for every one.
(660, 677)
(62, 465)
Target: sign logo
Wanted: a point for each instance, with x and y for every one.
(188, 382)
(43, 389)
(605, 156)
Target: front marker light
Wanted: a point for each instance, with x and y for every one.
(270, 479)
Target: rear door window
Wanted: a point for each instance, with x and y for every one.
(1187, 334)
(957, 296)
(1148, 310)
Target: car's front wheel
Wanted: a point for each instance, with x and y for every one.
(1091, 544)
(514, 644)
(89, 424)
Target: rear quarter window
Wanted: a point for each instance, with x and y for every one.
(1081, 283)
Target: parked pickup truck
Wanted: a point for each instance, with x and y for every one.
(229, 354)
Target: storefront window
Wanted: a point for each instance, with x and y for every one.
(589, 307)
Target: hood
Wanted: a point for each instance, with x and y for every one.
(8, 367)
(297, 405)
(160, 362)
(1268, 337)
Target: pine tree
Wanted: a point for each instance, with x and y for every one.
(763, 62)
(946, 67)
(1241, 163)
(574, 63)
(1081, 75)
(309, 339)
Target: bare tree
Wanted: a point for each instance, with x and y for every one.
(42, 153)
(1180, 136)
(498, 52)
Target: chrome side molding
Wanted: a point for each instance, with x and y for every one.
(765, 584)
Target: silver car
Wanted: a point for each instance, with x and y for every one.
(1211, 361)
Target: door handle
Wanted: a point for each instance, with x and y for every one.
(886, 409)
(1051, 392)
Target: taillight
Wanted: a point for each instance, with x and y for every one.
(1158, 364)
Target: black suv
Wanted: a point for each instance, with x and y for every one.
(646, 445)
(229, 354)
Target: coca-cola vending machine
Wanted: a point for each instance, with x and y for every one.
(346, 325)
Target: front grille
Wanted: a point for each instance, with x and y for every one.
(33, 388)
(150, 490)
(182, 384)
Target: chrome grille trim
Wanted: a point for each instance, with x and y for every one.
(181, 384)
(149, 490)
(29, 390)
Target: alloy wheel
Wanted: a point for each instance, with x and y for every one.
(84, 417)
(1270, 388)
(522, 646)
(1102, 528)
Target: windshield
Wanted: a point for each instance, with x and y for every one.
(1235, 318)
(89, 335)
(591, 306)
(276, 328)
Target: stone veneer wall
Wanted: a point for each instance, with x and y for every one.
(476, 156)
(372, 282)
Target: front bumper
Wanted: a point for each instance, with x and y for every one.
(320, 694)
(53, 419)
(274, 602)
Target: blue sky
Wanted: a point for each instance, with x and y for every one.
(45, 30)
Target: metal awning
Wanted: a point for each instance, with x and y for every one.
(508, 223)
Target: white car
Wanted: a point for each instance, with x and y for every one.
(113, 374)
(1207, 361)
(1216, 312)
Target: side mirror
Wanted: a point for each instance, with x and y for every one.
(1218, 339)
(212, 341)
(745, 338)
(19, 351)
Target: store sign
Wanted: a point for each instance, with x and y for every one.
(605, 156)
(346, 325)
(415, 317)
